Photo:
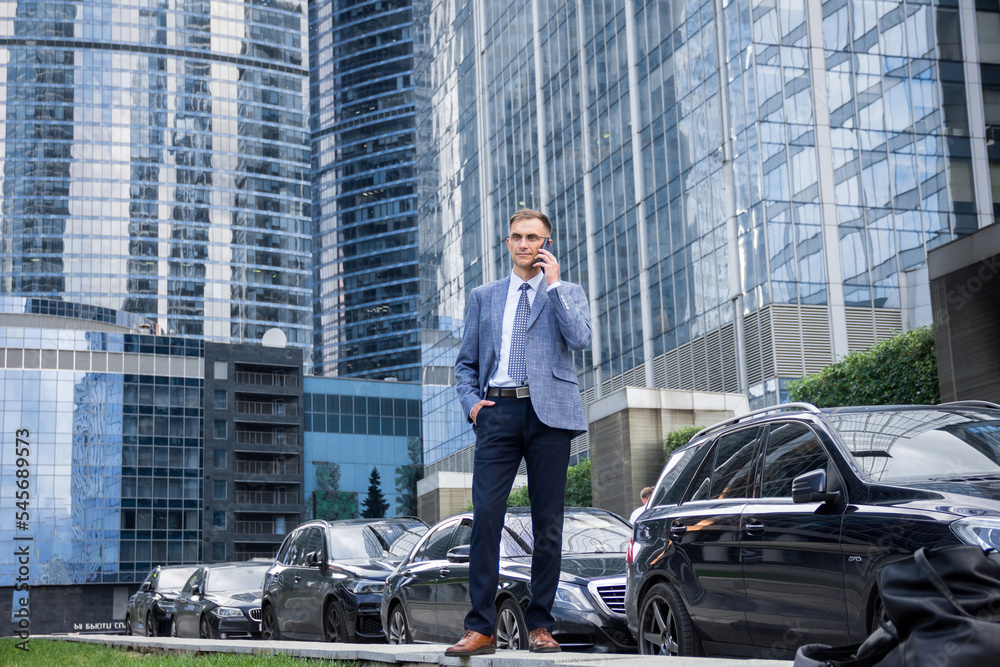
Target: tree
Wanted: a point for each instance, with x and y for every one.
(328, 501)
(375, 503)
(578, 489)
(679, 438)
(407, 477)
(898, 371)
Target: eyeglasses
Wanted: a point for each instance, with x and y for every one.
(533, 239)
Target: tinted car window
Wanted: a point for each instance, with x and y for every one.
(726, 470)
(734, 460)
(676, 476)
(282, 556)
(792, 449)
(436, 546)
(297, 552)
(313, 542)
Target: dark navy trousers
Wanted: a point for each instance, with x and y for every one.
(505, 433)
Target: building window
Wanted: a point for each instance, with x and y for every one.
(218, 458)
(219, 432)
(221, 370)
(219, 490)
(219, 520)
(221, 399)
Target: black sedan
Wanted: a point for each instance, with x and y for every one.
(427, 596)
(220, 601)
(151, 609)
(767, 531)
(327, 580)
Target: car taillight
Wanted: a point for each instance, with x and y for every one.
(628, 552)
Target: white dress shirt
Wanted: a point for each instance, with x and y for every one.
(500, 377)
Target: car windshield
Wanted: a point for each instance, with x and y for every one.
(910, 445)
(374, 540)
(173, 579)
(249, 579)
(583, 532)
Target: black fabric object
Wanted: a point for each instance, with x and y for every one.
(944, 605)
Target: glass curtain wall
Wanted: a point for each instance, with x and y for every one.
(155, 161)
(364, 190)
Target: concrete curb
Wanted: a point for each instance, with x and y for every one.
(410, 655)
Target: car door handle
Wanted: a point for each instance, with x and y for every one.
(443, 572)
(677, 529)
(755, 528)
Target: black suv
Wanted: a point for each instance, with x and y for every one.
(327, 580)
(766, 531)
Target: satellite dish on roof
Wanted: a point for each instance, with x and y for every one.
(274, 338)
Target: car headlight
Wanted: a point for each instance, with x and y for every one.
(227, 612)
(368, 586)
(568, 595)
(982, 531)
(166, 605)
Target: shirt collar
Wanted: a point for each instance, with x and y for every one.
(516, 281)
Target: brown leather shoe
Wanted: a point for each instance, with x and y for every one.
(472, 643)
(540, 641)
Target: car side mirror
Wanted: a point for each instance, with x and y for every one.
(145, 587)
(314, 559)
(196, 590)
(810, 487)
(458, 554)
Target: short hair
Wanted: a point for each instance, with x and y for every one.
(531, 214)
(646, 493)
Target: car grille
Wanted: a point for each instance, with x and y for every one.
(369, 625)
(255, 613)
(611, 592)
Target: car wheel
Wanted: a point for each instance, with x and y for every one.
(333, 623)
(269, 625)
(398, 631)
(205, 629)
(665, 628)
(128, 624)
(511, 632)
(150, 626)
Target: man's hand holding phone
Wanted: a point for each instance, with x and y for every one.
(548, 263)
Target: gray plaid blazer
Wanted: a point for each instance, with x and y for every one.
(559, 322)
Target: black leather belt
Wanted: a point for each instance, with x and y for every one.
(508, 392)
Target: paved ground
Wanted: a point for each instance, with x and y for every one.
(413, 655)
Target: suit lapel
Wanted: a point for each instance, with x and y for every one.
(498, 300)
(541, 299)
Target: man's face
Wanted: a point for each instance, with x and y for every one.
(523, 252)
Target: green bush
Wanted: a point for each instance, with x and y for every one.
(578, 490)
(679, 438)
(898, 371)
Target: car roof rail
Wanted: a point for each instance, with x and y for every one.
(969, 404)
(757, 414)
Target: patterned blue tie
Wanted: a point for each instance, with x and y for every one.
(515, 366)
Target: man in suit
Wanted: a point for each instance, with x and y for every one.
(518, 387)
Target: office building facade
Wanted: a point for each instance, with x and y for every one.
(747, 191)
(364, 190)
(156, 162)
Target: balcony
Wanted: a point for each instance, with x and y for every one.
(267, 497)
(266, 379)
(265, 438)
(267, 409)
(267, 467)
(260, 528)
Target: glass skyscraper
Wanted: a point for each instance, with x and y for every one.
(155, 160)
(746, 190)
(364, 190)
